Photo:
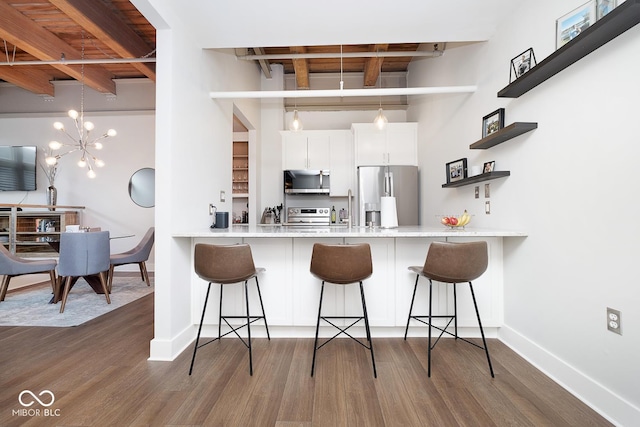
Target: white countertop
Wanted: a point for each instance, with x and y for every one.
(243, 230)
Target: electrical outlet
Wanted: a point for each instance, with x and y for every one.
(487, 207)
(223, 196)
(614, 321)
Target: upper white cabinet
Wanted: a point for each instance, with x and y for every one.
(306, 150)
(322, 150)
(342, 166)
(397, 144)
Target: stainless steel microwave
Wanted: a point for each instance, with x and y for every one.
(307, 181)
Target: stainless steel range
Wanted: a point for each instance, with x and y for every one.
(308, 216)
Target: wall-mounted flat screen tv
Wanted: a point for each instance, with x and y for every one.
(17, 168)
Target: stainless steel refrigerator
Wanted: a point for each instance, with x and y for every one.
(400, 182)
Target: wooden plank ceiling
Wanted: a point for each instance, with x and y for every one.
(37, 30)
(343, 59)
(49, 30)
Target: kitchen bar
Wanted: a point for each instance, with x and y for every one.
(291, 294)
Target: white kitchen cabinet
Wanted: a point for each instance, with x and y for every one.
(397, 144)
(379, 289)
(342, 165)
(306, 287)
(306, 150)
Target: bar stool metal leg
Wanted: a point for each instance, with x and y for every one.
(315, 343)
(195, 346)
(220, 313)
(246, 297)
(430, 316)
(484, 342)
(413, 298)
(264, 317)
(368, 330)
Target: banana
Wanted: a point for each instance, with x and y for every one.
(464, 219)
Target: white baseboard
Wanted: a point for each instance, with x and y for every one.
(602, 400)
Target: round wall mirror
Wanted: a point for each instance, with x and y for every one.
(142, 187)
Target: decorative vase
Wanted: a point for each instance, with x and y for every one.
(52, 196)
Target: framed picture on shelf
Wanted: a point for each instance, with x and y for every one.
(493, 122)
(603, 7)
(489, 166)
(521, 64)
(456, 170)
(569, 26)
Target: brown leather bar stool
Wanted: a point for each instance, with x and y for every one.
(225, 265)
(342, 265)
(451, 263)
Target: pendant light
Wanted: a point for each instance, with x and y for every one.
(296, 124)
(83, 143)
(380, 120)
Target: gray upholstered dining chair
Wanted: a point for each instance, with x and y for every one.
(83, 254)
(12, 266)
(138, 255)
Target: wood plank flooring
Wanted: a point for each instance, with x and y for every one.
(100, 376)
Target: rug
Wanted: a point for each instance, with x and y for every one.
(30, 307)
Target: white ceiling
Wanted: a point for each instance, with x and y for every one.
(250, 23)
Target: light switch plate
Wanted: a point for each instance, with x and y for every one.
(477, 191)
(487, 192)
(223, 196)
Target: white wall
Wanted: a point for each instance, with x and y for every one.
(193, 152)
(570, 188)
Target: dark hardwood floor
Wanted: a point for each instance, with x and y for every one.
(100, 376)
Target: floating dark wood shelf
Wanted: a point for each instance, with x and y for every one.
(504, 134)
(478, 178)
(616, 22)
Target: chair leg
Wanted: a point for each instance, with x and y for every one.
(145, 274)
(484, 342)
(52, 277)
(246, 297)
(111, 268)
(195, 346)
(264, 317)
(455, 311)
(103, 282)
(5, 285)
(220, 313)
(429, 350)
(368, 330)
(415, 287)
(315, 343)
(65, 294)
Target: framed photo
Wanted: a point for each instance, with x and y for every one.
(521, 64)
(569, 26)
(489, 166)
(493, 122)
(603, 7)
(456, 170)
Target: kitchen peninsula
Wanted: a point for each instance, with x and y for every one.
(291, 294)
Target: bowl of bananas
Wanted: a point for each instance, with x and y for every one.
(455, 221)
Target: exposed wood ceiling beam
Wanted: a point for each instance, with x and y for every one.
(33, 80)
(373, 66)
(97, 19)
(301, 68)
(32, 38)
(264, 63)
